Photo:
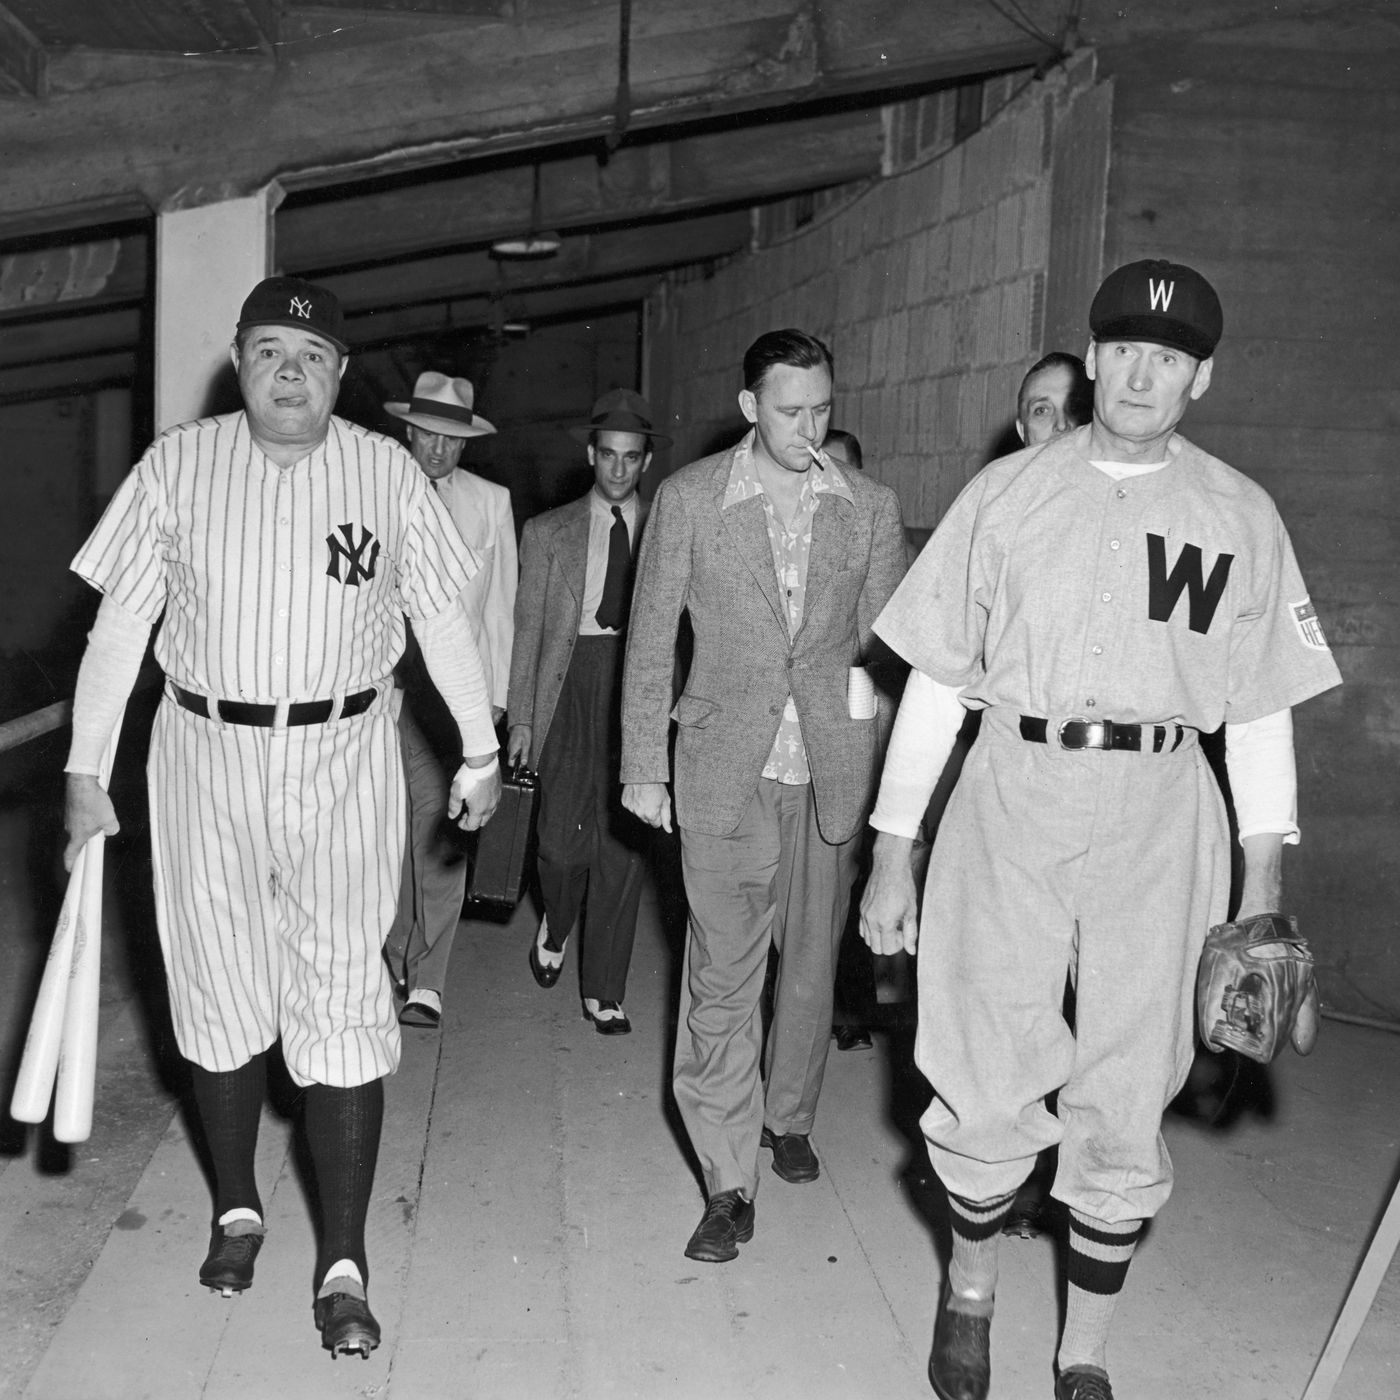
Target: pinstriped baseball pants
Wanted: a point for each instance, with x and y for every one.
(277, 861)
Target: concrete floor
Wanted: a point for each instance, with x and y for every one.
(534, 1197)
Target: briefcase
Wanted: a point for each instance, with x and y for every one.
(503, 844)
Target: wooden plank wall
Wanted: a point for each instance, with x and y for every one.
(1268, 156)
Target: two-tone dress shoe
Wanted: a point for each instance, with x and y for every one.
(960, 1365)
(793, 1158)
(423, 1009)
(233, 1248)
(346, 1324)
(608, 1017)
(546, 963)
(1083, 1383)
(726, 1224)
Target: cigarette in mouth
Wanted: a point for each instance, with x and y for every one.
(817, 457)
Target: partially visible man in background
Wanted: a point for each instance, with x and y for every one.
(440, 418)
(1056, 395)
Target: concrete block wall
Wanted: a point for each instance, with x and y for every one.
(929, 287)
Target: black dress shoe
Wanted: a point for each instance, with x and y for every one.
(851, 1037)
(546, 974)
(229, 1266)
(346, 1324)
(793, 1158)
(608, 1017)
(960, 1366)
(1083, 1383)
(726, 1224)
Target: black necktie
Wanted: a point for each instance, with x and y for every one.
(612, 610)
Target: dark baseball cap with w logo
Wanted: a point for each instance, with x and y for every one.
(295, 302)
(1159, 301)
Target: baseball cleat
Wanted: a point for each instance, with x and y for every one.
(228, 1269)
(346, 1325)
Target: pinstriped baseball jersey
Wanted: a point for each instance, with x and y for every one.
(277, 853)
(276, 584)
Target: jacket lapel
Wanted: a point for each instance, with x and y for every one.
(747, 526)
(572, 546)
(830, 528)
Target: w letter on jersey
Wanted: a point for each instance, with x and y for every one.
(359, 558)
(1164, 589)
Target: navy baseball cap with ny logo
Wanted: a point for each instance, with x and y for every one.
(1159, 301)
(295, 302)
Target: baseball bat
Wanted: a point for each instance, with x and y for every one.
(63, 1027)
(39, 1063)
(77, 1052)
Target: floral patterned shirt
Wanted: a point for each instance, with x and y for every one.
(792, 548)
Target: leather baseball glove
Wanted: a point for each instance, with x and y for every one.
(1255, 988)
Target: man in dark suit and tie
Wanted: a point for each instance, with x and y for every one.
(565, 677)
(782, 560)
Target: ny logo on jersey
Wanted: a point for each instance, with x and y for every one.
(360, 558)
(1188, 573)
(1160, 292)
(300, 307)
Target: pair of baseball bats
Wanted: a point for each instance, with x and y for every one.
(59, 1063)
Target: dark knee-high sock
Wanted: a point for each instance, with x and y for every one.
(1096, 1269)
(342, 1132)
(972, 1272)
(230, 1105)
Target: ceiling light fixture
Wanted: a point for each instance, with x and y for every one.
(539, 242)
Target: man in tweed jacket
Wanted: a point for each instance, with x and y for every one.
(783, 561)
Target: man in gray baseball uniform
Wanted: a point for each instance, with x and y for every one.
(440, 417)
(782, 561)
(1103, 598)
(280, 548)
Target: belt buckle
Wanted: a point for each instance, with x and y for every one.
(1092, 739)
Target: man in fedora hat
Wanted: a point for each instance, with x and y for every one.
(440, 418)
(565, 687)
(279, 548)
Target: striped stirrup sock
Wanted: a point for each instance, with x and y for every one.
(1097, 1265)
(972, 1274)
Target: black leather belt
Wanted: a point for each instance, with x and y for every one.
(1105, 734)
(302, 712)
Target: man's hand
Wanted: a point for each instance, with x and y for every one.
(649, 801)
(472, 799)
(87, 810)
(518, 744)
(889, 910)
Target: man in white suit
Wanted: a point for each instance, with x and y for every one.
(440, 419)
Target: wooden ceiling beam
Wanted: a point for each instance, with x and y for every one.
(639, 182)
(371, 99)
(625, 252)
(24, 65)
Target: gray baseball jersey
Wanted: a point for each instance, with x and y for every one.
(277, 851)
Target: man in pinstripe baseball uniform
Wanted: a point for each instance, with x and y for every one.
(279, 548)
(1103, 598)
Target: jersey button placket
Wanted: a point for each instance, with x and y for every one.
(282, 584)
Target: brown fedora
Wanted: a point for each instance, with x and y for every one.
(619, 411)
(441, 404)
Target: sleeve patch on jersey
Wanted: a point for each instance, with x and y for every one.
(1306, 620)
